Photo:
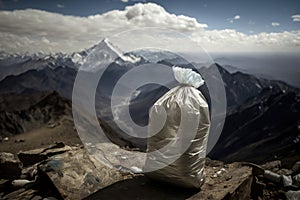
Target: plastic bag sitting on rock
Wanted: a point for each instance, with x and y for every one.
(178, 129)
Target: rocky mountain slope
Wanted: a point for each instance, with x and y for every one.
(264, 128)
(19, 114)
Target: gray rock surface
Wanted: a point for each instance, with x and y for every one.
(76, 176)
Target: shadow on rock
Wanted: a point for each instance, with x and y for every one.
(142, 188)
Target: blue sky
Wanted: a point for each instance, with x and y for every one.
(255, 16)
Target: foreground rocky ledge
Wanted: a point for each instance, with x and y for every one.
(65, 172)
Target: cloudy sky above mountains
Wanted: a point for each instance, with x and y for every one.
(218, 26)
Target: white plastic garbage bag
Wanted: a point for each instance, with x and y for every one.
(177, 148)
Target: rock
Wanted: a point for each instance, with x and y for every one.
(140, 187)
(257, 189)
(256, 169)
(292, 195)
(9, 166)
(136, 169)
(52, 125)
(285, 172)
(29, 172)
(37, 155)
(21, 194)
(19, 140)
(287, 181)
(20, 182)
(296, 167)
(273, 165)
(5, 139)
(4, 185)
(297, 180)
(37, 198)
(75, 175)
(274, 177)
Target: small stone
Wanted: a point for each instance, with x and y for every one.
(20, 182)
(287, 181)
(37, 198)
(297, 179)
(272, 176)
(223, 169)
(49, 198)
(123, 157)
(19, 140)
(136, 169)
(228, 178)
(296, 167)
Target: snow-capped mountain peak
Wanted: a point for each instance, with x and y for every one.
(105, 44)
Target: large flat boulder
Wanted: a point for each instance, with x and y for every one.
(76, 176)
(231, 181)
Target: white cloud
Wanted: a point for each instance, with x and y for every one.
(124, 1)
(60, 5)
(274, 24)
(233, 19)
(296, 18)
(237, 17)
(35, 30)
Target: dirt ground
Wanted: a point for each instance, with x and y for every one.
(42, 137)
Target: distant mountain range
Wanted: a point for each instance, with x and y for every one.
(263, 115)
(276, 66)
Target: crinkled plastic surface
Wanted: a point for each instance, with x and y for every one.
(187, 77)
(184, 100)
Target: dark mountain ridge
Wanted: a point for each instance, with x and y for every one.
(37, 110)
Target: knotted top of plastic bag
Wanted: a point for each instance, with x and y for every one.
(187, 76)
